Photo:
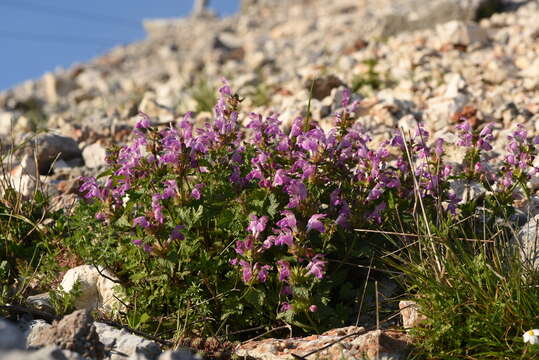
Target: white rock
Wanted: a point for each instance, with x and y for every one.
(455, 85)
(461, 33)
(467, 191)
(94, 155)
(440, 109)
(96, 291)
(6, 123)
(408, 124)
(22, 181)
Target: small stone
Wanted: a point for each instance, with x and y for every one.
(40, 302)
(461, 33)
(322, 86)
(94, 155)
(411, 317)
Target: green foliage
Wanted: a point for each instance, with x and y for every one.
(64, 302)
(469, 282)
(260, 94)
(204, 95)
(21, 237)
(371, 80)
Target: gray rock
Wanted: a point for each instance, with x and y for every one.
(528, 243)
(10, 336)
(46, 353)
(32, 331)
(124, 344)
(52, 147)
(75, 332)
(179, 355)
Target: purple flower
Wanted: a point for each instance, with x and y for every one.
(247, 272)
(280, 178)
(100, 216)
(297, 192)
(345, 98)
(176, 234)
(520, 133)
(147, 248)
(245, 245)
(316, 266)
(91, 187)
(285, 307)
(376, 215)
(157, 208)
(257, 225)
(284, 270)
(397, 141)
(286, 290)
(313, 308)
(335, 197)
(439, 147)
(270, 240)
(344, 215)
(262, 272)
(297, 127)
(144, 122)
(195, 193)
(375, 193)
(284, 238)
(141, 221)
(315, 223)
(137, 242)
(256, 173)
(171, 188)
(289, 220)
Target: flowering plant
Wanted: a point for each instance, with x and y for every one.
(248, 226)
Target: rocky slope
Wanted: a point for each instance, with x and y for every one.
(408, 61)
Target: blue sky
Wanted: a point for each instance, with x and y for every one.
(37, 36)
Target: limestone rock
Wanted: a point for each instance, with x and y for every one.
(372, 345)
(75, 332)
(122, 342)
(96, 290)
(32, 331)
(94, 155)
(461, 33)
(47, 353)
